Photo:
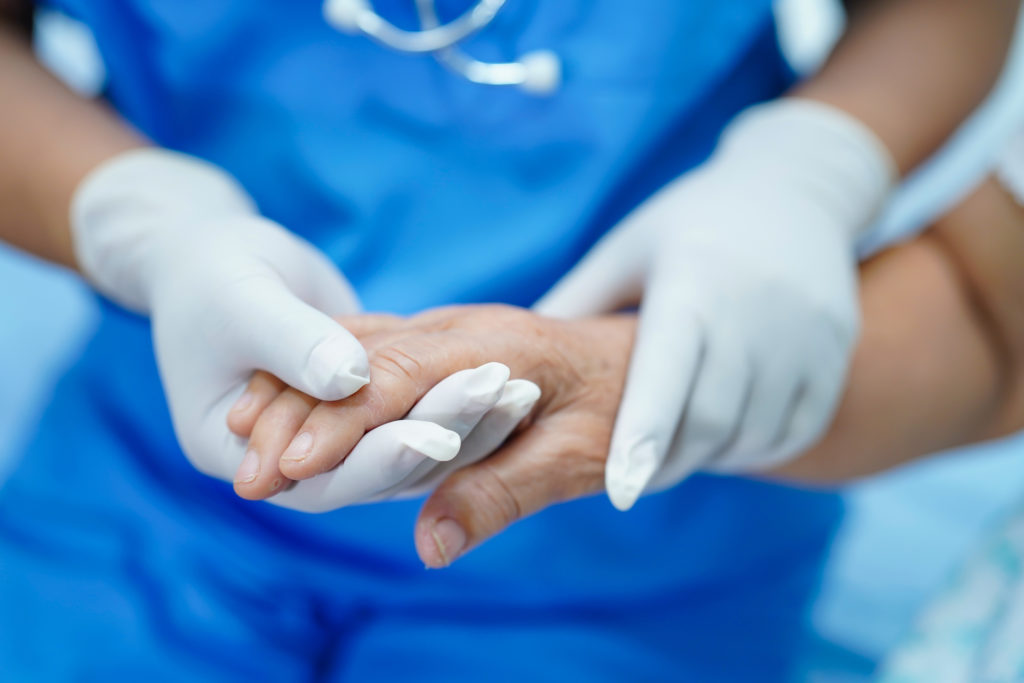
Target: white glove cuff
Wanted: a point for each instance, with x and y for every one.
(1010, 170)
(122, 208)
(799, 143)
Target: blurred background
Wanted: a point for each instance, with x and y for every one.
(905, 533)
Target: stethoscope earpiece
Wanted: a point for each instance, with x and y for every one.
(344, 14)
(537, 73)
(542, 72)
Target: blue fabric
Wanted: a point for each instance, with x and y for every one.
(118, 559)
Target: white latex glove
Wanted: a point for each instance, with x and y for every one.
(749, 309)
(176, 238)
(493, 428)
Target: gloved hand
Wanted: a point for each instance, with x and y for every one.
(749, 312)
(229, 292)
(176, 238)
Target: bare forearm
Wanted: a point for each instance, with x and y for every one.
(913, 70)
(49, 139)
(940, 360)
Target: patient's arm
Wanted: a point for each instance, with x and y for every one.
(941, 364)
(941, 360)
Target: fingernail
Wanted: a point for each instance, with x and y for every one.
(249, 469)
(431, 440)
(299, 448)
(243, 402)
(276, 485)
(450, 540)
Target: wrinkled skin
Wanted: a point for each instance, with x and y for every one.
(580, 367)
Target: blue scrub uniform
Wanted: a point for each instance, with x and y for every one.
(119, 562)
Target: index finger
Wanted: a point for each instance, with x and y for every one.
(400, 374)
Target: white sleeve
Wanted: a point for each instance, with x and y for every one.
(1010, 169)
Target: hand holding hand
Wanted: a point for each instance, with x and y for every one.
(578, 368)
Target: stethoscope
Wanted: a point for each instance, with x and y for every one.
(538, 72)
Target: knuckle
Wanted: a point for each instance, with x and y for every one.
(493, 502)
(395, 363)
(440, 319)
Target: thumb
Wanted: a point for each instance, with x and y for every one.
(540, 467)
(277, 332)
(608, 278)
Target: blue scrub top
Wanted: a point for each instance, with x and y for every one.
(427, 189)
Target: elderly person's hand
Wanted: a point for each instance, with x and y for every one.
(579, 366)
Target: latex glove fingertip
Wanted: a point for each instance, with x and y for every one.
(430, 440)
(628, 472)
